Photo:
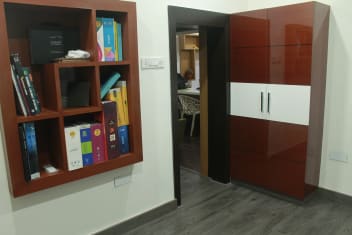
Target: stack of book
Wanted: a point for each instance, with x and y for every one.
(85, 145)
(115, 90)
(109, 35)
(118, 94)
(26, 95)
(106, 138)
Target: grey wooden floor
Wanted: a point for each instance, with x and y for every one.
(212, 208)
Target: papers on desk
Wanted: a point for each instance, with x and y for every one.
(188, 91)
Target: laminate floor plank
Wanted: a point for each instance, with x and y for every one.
(196, 188)
(256, 214)
(210, 208)
(185, 217)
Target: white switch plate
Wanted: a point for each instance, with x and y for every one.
(338, 156)
(152, 63)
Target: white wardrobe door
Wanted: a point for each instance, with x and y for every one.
(288, 103)
(248, 100)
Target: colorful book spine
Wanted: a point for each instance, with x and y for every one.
(73, 148)
(100, 39)
(110, 129)
(119, 41)
(115, 95)
(98, 146)
(19, 94)
(123, 139)
(25, 156)
(32, 150)
(109, 39)
(86, 144)
(116, 42)
(33, 96)
(108, 84)
(123, 86)
(27, 95)
(16, 67)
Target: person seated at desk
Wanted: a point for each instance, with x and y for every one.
(186, 80)
(181, 82)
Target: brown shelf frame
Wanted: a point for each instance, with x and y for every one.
(46, 81)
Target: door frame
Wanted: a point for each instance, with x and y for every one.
(216, 26)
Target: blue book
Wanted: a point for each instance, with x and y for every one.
(25, 158)
(119, 41)
(109, 39)
(108, 84)
(32, 151)
(86, 144)
(123, 139)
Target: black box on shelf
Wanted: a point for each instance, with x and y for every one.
(47, 44)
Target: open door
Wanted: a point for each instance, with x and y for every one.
(213, 34)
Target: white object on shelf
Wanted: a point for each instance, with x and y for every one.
(77, 54)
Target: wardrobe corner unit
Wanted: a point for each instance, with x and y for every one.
(277, 90)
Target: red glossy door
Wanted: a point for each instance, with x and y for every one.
(290, 64)
(291, 25)
(250, 64)
(269, 154)
(249, 29)
(249, 47)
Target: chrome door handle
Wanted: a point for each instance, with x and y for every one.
(261, 102)
(268, 109)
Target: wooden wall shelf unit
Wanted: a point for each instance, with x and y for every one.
(188, 51)
(16, 18)
(278, 73)
(189, 41)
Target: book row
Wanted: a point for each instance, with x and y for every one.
(91, 143)
(27, 101)
(115, 90)
(109, 37)
(86, 143)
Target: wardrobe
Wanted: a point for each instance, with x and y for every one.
(278, 71)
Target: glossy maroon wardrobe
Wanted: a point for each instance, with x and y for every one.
(277, 89)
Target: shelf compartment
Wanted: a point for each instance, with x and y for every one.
(113, 63)
(49, 142)
(49, 150)
(74, 64)
(78, 87)
(62, 177)
(44, 114)
(79, 111)
(21, 18)
(106, 71)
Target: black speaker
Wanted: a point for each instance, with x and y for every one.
(47, 44)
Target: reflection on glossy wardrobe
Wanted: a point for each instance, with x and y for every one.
(277, 89)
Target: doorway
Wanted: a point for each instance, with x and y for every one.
(189, 101)
(213, 36)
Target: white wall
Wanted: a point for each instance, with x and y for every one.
(92, 204)
(334, 175)
(224, 6)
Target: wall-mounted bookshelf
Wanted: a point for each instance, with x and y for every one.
(17, 18)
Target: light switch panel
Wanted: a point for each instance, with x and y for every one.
(338, 156)
(152, 63)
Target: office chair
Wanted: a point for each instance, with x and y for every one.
(189, 106)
